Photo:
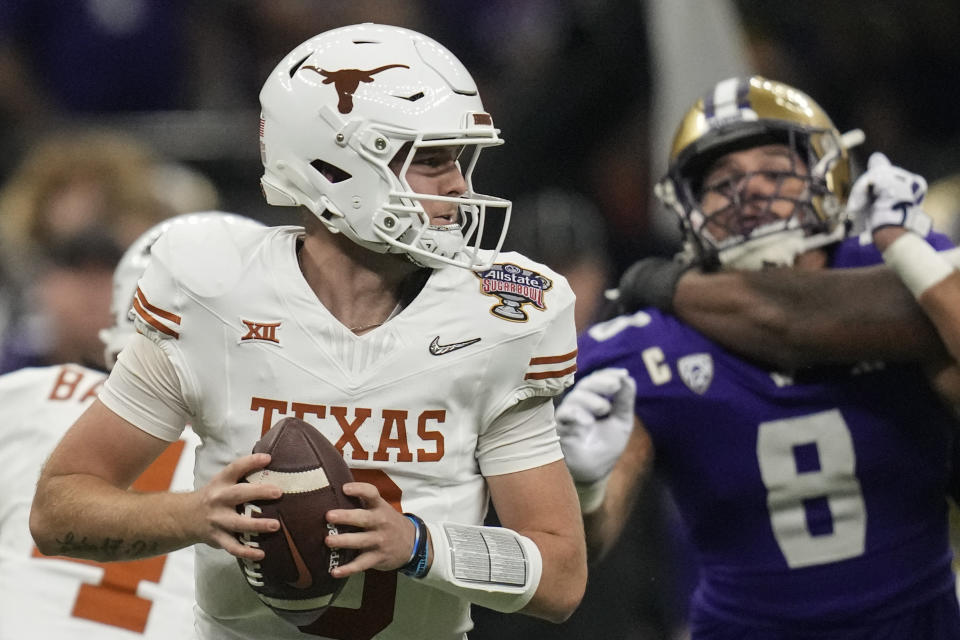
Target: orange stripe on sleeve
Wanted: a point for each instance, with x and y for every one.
(156, 324)
(166, 315)
(544, 375)
(553, 359)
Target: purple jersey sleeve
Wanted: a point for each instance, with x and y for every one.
(859, 251)
(812, 499)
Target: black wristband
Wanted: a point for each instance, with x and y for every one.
(417, 566)
(650, 282)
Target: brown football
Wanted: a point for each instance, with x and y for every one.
(293, 579)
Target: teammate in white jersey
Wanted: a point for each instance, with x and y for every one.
(57, 596)
(60, 597)
(428, 361)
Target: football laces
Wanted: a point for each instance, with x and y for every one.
(251, 568)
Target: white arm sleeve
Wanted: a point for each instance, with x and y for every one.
(952, 256)
(144, 389)
(493, 567)
(522, 437)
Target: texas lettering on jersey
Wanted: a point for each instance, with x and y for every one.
(390, 424)
(416, 406)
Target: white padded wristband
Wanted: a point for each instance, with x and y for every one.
(918, 264)
(493, 567)
(952, 256)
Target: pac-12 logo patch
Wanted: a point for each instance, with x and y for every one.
(696, 371)
(515, 287)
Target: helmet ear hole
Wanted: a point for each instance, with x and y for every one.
(332, 173)
(297, 66)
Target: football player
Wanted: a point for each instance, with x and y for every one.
(815, 497)
(429, 361)
(58, 596)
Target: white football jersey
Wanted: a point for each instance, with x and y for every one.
(412, 404)
(56, 597)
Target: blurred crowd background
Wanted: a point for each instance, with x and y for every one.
(115, 114)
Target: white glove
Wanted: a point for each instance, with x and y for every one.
(594, 422)
(887, 196)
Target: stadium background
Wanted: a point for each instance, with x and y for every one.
(586, 94)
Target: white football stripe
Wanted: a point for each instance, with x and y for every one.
(725, 99)
(296, 482)
(297, 605)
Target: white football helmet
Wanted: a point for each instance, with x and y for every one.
(340, 107)
(131, 267)
(740, 113)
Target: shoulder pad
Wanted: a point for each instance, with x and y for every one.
(207, 258)
(521, 260)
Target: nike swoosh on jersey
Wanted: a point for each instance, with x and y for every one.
(304, 577)
(438, 349)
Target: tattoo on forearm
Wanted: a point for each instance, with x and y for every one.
(114, 548)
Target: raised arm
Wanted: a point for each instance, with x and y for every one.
(891, 199)
(792, 318)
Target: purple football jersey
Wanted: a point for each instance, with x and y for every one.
(815, 500)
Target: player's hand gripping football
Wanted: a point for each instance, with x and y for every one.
(594, 422)
(220, 522)
(888, 196)
(386, 539)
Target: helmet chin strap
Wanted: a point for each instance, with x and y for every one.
(823, 239)
(775, 250)
(778, 249)
(445, 241)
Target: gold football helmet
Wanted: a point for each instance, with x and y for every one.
(738, 114)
